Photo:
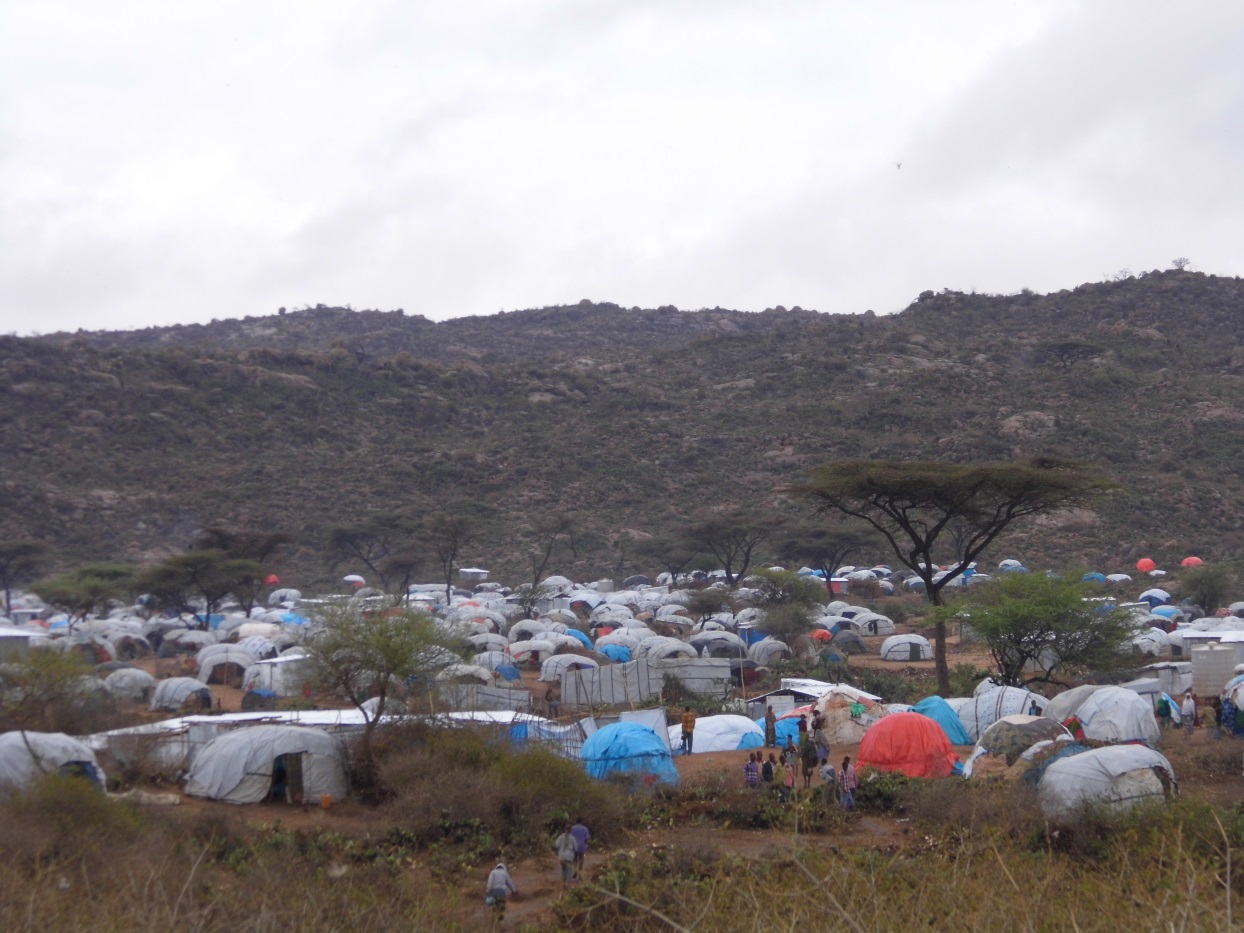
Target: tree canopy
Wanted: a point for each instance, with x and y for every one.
(917, 506)
(1044, 629)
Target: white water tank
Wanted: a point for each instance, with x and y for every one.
(1213, 665)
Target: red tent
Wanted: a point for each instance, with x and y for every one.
(910, 743)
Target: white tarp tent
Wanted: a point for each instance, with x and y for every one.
(244, 765)
(724, 733)
(25, 756)
(991, 704)
(1116, 714)
(1117, 776)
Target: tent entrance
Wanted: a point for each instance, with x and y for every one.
(287, 779)
(914, 652)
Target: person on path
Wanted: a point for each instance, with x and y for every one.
(847, 783)
(751, 771)
(566, 846)
(499, 887)
(581, 835)
(770, 728)
(1187, 713)
(1164, 713)
(768, 769)
(688, 729)
(789, 780)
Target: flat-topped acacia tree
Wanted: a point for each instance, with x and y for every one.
(916, 504)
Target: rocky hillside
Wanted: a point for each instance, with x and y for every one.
(121, 445)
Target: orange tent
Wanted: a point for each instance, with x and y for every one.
(910, 743)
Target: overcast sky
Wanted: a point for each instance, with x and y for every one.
(166, 162)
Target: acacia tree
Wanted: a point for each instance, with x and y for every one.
(549, 535)
(824, 548)
(85, 590)
(256, 546)
(1041, 629)
(673, 553)
(181, 581)
(913, 504)
(362, 655)
(731, 537)
(449, 533)
(384, 544)
(19, 563)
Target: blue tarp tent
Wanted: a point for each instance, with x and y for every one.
(1094, 577)
(509, 672)
(940, 712)
(575, 633)
(628, 748)
(619, 653)
(785, 728)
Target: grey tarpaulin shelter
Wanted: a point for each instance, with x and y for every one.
(251, 765)
(26, 756)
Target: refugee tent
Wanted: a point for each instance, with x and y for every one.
(718, 644)
(768, 650)
(26, 756)
(619, 654)
(489, 642)
(1116, 714)
(178, 692)
(660, 647)
(464, 674)
(224, 664)
(909, 743)
(1064, 706)
(624, 639)
(526, 650)
(628, 749)
(529, 629)
(941, 713)
(906, 648)
(256, 763)
(261, 647)
(552, 669)
(1116, 776)
(992, 704)
(848, 642)
(1006, 740)
(130, 684)
(873, 623)
(723, 733)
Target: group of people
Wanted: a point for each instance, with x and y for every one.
(1190, 713)
(778, 773)
(571, 848)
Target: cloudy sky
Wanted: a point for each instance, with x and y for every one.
(165, 162)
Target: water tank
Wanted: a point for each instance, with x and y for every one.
(1213, 665)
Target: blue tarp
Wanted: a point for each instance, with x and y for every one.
(940, 712)
(1094, 577)
(619, 653)
(509, 671)
(628, 748)
(751, 740)
(786, 728)
(575, 633)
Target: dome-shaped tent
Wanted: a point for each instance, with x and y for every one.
(255, 763)
(1002, 744)
(179, 692)
(906, 648)
(553, 668)
(130, 684)
(1116, 776)
(768, 650)
(987, 707)
(941, 713)
(723, 733)
(628, 749)
(1116, 714)
(26, 756)
(910, 743)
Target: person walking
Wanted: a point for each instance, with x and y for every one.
(688, 729)
(1187, 714)
(808, 758)
(567, 848)
(770, 728)
(789, 779)
(847, 783)
(768, 768)
(780, 770)
(497, 889)
(581, 836)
